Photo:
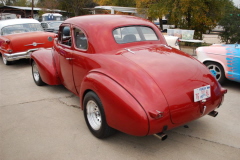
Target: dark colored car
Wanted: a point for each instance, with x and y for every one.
(51, 26)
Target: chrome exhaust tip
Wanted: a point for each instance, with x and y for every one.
(161, 136)
(213, 113)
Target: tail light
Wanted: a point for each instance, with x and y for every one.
(7, 41)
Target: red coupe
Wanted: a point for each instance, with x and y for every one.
(127, 77)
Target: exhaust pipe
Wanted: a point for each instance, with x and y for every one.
(161, 136)
(213, 113)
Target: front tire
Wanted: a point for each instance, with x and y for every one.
(217, 70)
(36, 75)
(95, 117)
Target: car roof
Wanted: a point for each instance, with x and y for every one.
(101, 26)
(8, 22)
(51, 21)
(108, 19)
(55, 14)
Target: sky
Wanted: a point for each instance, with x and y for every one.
(236, 2)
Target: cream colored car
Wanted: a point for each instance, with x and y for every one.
(172, 41)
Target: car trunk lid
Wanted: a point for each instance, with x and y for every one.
(23, 42)
(183, 76)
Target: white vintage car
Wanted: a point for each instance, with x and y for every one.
(172, 41)
(223, 61)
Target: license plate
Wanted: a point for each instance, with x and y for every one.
(202, 93)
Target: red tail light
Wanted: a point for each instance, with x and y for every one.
(7, 41)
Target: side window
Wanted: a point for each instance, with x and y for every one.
(149, 34)
(80, 39)
(65, 36)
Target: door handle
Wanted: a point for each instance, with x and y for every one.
(69, 58)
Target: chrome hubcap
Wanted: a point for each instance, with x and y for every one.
(215, 70)
(35, 72)
(93, 115)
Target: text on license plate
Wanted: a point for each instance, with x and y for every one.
(202, 93)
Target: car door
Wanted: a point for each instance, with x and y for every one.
(82, 56)
(65, 50)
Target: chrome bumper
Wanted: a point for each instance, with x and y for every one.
(19, 55)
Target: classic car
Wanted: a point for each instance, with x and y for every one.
(51, 17)
(51, 26)
(126, 76)
(223, 61)
(172, 41)
(19, 37)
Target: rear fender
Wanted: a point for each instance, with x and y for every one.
(123, 112)
(46, 66)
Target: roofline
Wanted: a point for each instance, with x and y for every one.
(34, 8)
(55, 14)
(8, 22)
(117, 8)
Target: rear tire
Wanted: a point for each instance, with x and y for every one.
(36, 75)
(217, 70)
(95, 117)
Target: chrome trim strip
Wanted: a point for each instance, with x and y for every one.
(19, 55)
(167, 46)
(129, 50)
(33, 44)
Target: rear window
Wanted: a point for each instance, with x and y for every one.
(134, 34)
(21, 28)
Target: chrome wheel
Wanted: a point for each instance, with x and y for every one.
(36, 75)
(217, 71)
(35, 71)
(94, 115)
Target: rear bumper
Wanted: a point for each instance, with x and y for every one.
(19, 55)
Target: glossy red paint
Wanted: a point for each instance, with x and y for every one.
(24, 42)
(121, 108)
(134, 80)
(46, 66)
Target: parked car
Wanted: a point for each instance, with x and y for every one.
(51, 26)
(223, 60)
(51, 17)
(19, 37)
(172, 41)
(127, 77)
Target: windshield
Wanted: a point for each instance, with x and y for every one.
(51, 17)
(55, 24)
(21, 28)
(133, 34)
